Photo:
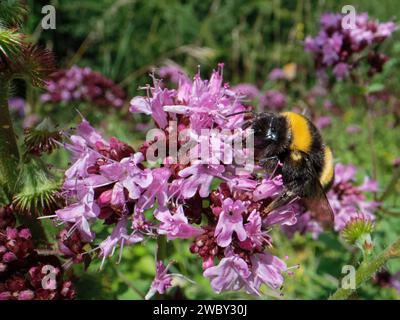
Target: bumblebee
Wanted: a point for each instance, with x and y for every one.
(290, 144)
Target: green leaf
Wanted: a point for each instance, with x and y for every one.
(375, 87)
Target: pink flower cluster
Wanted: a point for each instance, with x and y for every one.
(348, 199)
(338, 48)
(23, 270)
(272, 100)
(247, 92)
(83, 85)
(110, 182)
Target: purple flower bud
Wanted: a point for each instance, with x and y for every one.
(276, 74)
(6, 295)
(25, 233)
(336, 47)
(273, 99)
(83, 84)
(9, 257)
(26, 295)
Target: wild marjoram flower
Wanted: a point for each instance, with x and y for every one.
(339, 49)
(111, 182)
(83, 85)
(23, 268)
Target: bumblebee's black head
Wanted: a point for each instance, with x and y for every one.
(270, 134)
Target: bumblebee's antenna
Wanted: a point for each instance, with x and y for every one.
(240, 112)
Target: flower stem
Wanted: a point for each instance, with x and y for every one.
(391, 185)
(371, 137)
(130, 284)
(368, 268)
(161, 248)
(9, 154)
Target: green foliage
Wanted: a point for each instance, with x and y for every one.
(10, 44)
(126, 39)
(12, 12)
(37, 190)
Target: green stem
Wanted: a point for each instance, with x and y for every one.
(367, 269)
(371, 138)
(129, 283)
(9, 154)
(391, 186)
(9, 160)
(162, 248)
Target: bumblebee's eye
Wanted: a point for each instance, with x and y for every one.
(272, 133)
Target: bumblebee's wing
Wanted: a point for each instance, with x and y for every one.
(318, 204)
(320, 209)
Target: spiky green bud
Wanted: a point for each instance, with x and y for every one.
(12, 12)
(37, 190)
(41, 139)
(358, 232)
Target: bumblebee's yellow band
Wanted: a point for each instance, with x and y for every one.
(300, 132)
(327, 169)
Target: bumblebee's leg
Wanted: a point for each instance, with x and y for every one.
(247, 124)
(284, 198)
(266, 162)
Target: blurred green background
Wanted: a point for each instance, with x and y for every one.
(126, 39)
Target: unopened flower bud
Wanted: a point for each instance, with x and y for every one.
(105, 198)
(26, 295)
(9, 257)
(358, 232)
(208, 262)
